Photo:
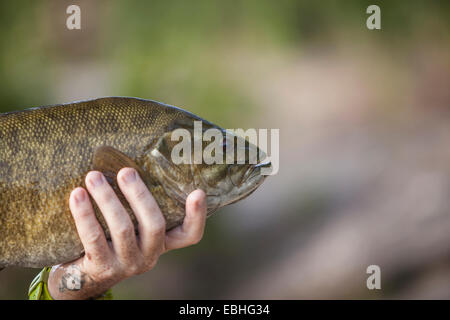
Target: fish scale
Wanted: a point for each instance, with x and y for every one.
(46, 152)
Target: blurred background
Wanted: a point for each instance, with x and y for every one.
(364, 132)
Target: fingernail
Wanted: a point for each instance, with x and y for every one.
(96, 179)
(199, 202)
(79, 196)
(129, 176)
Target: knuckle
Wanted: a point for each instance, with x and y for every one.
(107, 274)
(151, 263)
(92, 256)
(125, 231)
(140, 194)
(135, 268)
(158, 228)
(194, 239)
(106, 195)
(94, 237)
(82, 213)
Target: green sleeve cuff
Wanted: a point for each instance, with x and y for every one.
(39, 289)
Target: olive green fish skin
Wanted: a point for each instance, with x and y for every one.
(46, 152)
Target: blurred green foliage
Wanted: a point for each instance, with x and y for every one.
(169, 50)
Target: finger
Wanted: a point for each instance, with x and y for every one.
(151, 223)
(191, 231)
(91, 233)
(116, 217)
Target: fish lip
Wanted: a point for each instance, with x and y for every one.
(265, 164)
(255, 186)
(255, 172)
(252, 172)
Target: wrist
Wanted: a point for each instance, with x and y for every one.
(70, 282)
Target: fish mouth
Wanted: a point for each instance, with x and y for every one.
(255, 179)
(251, 177)
(252, 172)
(265, 164)
(255, 170)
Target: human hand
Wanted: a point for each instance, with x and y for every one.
(105, 263)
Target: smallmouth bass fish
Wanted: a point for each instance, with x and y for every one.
(46, 152)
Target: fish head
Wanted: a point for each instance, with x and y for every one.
(236, 177)
(226, 167)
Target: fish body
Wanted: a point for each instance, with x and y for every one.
(46, 152)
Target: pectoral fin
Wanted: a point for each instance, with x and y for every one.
(109, 161)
